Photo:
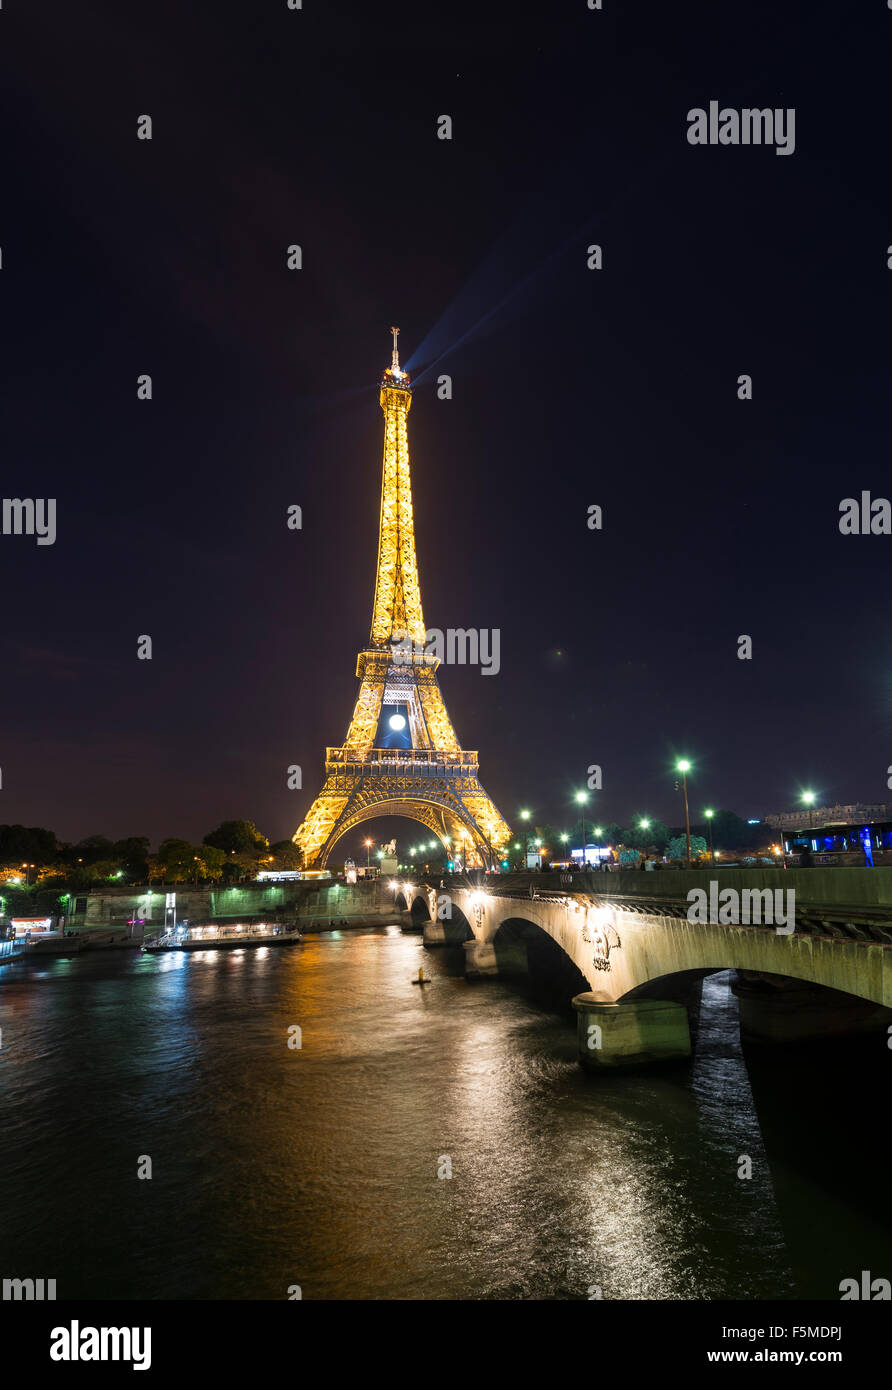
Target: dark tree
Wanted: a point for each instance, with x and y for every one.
(132, 855)
(93, 848)
(287, 854)
(20, 844)
(655, 836)
(237, 837)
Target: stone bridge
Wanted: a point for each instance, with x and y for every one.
(637, 958)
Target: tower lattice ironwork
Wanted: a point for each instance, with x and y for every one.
(434, 781)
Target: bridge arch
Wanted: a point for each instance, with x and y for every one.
(638, 961)
(420, 910)
(671, 985)
(851, 968)
(455, 929)
(623, 953)
(523, 946)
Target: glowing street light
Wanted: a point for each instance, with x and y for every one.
(809, 799)
(525, 815)
(684, 767)
(582, 798)
(598, 831)
(368, 852)
(709, 815)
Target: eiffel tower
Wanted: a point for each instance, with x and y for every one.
(404, 761)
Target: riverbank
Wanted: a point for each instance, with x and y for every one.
(150, 908)
(79, 941)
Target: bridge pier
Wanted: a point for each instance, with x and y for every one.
(434, 934)
(491, 958)
(480, 958)
(630, 1034)
(775, 1009)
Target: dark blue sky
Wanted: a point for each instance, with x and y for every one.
(571, 387)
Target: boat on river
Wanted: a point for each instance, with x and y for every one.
(235, 938)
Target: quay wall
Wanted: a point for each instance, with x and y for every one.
(207, 904)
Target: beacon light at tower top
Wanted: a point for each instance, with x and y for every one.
(394, 372)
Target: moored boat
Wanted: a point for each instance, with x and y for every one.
(223, 938)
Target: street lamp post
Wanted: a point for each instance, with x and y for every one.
(525, 815)
(582, 797)
(709, 815)
(368, 853)
(684, 768)
(597, 832)
(809, 799)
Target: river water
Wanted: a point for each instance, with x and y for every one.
(318, 1167)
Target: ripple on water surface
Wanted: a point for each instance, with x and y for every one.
(274, 1166)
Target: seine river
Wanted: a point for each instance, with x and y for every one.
(274, 1167)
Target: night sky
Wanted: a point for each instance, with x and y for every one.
(571, 387)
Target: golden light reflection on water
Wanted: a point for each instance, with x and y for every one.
(325, 1165)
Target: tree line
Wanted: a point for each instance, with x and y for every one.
(33, 861)
(31, 856)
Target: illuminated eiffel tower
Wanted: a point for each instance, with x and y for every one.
(401, 756)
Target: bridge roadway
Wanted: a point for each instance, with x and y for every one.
(638, 958)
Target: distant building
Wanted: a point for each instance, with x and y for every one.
(593, 854)
(856, 834)
(830, 815)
